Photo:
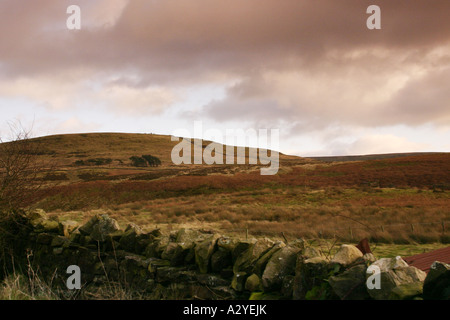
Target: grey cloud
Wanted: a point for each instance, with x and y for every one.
(423, 100)
(179, 40)
(340, 64)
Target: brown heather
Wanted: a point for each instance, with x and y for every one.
(397, 200)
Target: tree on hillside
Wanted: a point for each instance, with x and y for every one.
(138, 161)
(144, 161)
(152, 160)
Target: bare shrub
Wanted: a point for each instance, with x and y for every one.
(20, 170)
(21, 179)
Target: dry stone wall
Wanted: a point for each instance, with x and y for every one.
(191, 264)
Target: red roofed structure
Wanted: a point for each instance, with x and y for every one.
(424, 261)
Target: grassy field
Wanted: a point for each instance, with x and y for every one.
(401, 200)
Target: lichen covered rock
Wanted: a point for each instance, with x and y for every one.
(346, 255)
(280, 265)
(437, 282)
(99, 227)
(351, 284)
(391, 273)
(203, 252)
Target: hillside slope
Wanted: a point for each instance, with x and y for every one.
(305, 198)
(66, 149)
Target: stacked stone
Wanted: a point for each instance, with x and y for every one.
(194, 264)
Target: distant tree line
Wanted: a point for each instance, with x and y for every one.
(93, 162)
(145, 161)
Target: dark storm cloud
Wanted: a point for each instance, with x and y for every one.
(203, 35)
(312, 62)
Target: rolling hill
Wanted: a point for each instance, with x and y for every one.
(93, 173)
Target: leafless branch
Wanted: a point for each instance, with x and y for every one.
(20, 169)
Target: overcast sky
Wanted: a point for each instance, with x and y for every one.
(310, 68)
